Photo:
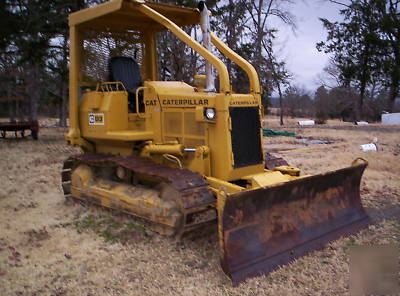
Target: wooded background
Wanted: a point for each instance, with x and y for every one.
(361, 80)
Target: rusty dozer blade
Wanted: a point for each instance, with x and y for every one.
(261, 229)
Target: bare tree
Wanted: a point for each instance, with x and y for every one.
(330, 76)
(264, 58)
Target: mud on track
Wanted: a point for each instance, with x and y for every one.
(50, 247)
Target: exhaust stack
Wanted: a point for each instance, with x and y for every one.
(205, 28)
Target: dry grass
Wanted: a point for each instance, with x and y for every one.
(49, 247)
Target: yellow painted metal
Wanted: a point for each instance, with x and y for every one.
(73, 135)
(139, 89)
(218, 185)
(81, 176)
(112, 108)
(137, 200)
(241, 62)
(110, 86)
(88, 14)
(199, 114)
(150, 71)
(173, 118)
(289, 170)
(171, 129)
(200, 82)
(178, 32)
(150, 148)
(170, 98)
(221, 200)
(199, 161)
(266, 179)
(123, 14)
(359, 161)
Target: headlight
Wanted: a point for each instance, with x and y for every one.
(209, 113)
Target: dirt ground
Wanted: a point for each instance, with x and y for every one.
(51, 247)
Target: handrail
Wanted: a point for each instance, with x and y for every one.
(178, 32)
(241, 62)
(137, 99)
(107, 86)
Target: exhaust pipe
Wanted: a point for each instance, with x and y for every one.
(205, 28)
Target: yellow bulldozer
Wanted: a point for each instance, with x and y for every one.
(185, 157)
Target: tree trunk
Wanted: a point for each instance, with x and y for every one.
(10, 103)
(64, 85)
(395, 45)
(280, 102)
(64, 103)
(393, 93)
(33, 90)
(394, 83)
(360, 102)
(363, 82)
(277, 82)
(260, 32)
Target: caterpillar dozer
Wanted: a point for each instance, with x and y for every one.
(185, 157)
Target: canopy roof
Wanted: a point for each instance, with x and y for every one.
(125, 14)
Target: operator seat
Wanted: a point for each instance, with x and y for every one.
(126, 70)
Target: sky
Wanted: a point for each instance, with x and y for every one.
(298, 50)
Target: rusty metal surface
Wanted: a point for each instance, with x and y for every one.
(271, 161)
(66, 177)
(194, 188)
(194, 193)
(19, 126)
(15, 126)
(268, 227)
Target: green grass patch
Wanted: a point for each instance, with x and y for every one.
(139, 227)
(112, 229)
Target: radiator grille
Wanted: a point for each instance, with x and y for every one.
(246, 141)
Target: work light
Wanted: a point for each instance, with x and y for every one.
(210, 113)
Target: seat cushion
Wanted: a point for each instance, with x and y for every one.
(126, 70)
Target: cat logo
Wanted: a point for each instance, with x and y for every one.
(96, 118)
